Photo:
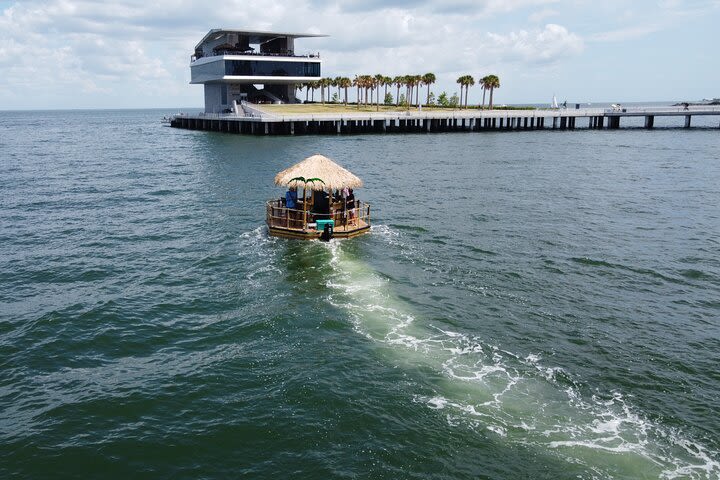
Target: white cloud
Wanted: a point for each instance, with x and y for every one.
(548, 45)
(544, 14)
(87, 46)
(623, 34)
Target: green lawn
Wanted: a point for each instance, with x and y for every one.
(339, 108)
(309, 108)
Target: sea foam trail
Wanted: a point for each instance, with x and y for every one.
(518, 399)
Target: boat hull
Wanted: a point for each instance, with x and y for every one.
(350, 232)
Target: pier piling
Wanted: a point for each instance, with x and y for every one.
(455, 121)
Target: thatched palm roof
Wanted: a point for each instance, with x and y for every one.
(333, 176)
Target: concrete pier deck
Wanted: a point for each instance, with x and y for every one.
(253, 121)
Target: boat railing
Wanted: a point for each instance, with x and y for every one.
(279, 216)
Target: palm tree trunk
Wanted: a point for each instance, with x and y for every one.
(491, 95)
(397, 97)
(483, 104)
(346, 96)
(427, 102)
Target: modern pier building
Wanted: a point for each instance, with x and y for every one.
(240, 65)
(241, 68)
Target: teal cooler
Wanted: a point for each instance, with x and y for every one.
(321, 224)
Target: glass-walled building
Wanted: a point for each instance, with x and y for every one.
(236, 65)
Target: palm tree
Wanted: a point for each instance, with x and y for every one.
(428, 79)
(387, 81)
(461, 82)
(369, 85)
(493, 82)
(411, 82)
(407, 81)
(484, 84)
(465, 81)
(362, 83)
(398, 82)
(356, 84)
(418, 82)
(336, 83)
(326, 83)
(379, 80)
(345, 83)
(469, 82)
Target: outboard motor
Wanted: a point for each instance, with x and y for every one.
(327, 233)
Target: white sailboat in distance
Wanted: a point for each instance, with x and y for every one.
(554, 102)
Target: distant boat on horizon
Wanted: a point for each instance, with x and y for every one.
(554, 103)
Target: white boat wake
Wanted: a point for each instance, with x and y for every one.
(479, 386)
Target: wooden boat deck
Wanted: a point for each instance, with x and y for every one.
(287, 223)
(340, 231)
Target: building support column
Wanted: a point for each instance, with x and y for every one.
(649, 121)
(687, 121)
(554, 123)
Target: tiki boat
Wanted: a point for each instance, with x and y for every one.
(319, 202)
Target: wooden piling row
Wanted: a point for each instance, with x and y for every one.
(399, 124)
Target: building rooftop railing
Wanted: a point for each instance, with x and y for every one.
(219, 53)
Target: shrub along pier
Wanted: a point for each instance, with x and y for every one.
(257, 122)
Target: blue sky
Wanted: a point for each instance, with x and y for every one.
(134, 54)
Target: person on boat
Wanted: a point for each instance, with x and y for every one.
(291, 203)
(321, 204)
(350, 205)
(291, 198)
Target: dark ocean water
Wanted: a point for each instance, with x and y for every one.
(528, 305)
